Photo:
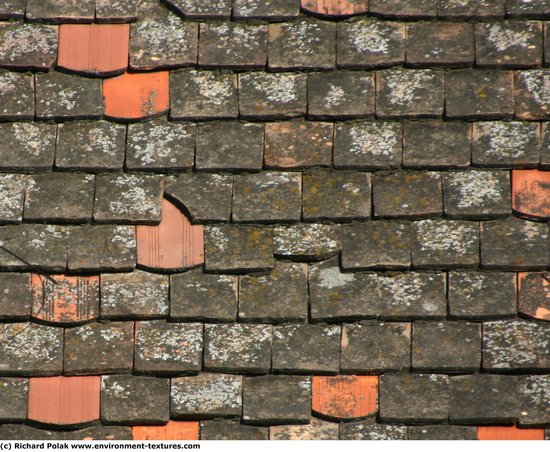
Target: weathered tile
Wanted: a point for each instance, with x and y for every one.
(413, 295)
(387, 245)
(99, 433)
(342, 296)
(26, 146)
(15, 296)
(545, 151)
(515, 244)
(512, 345)
(506, 144)
(463, 9)
(61, 96)
(368, 145)
(191, 9)
(229, 146)
(263, 404)
(526, 8)
(126, 399)
(13, 398)
(341, 94)
(167, 348)
(534, 397)
(206, 396)
(95, 146)
(445, 244)
(272, 11)
(63, 197)
(414, 398)
(22, 432)
(370, 430)
(115, 11)
(484, 94)
(530, 193)
(446, 347)
(238, 249)
(335, 8)
(306, 241)
(99, 348)
(442, 432)
(436, 144)
(482, 295)
(280, 296)
(160, 145)
(370, 43)
(316, 430)
(404, 8)
(27, 46)
(232, 430)
(128, 198)
(232, 45)
(306, 349)
(267, 197)
(272, 96)
(16, 96)
(12, 9)
(203, 95)
(60, 10)
(534, 295)
(204, 197)
(302, 44)
(171, 431)
(12, 187)
(336, 196)
(162, 39)
(532, 94)
(404, 93)
(376, 347)
(440, 44)
(29, 349)
(237, 348)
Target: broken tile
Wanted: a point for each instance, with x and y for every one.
(463, 9)
(534, 295)
(237, 348)
(206, 396)
(375, 347)
(370, 430)
(16, 96)
(12, 187)
(531, 193)
(197, 9)
(335, 8)
(442, 432)
(135, 295)
(271, 11)
(13, 398)
(27, 46)
(316, 430)
(306, 241)
(60, 10)
(15, 296)
(99, 348)
(115, 11)
(404, 8)
(532, 94)
(172, 431)
(232, 430)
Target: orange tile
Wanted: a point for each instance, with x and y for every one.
(75, 299)
(171, 431)
(531, 193)
(345, 397)
(534, 295)
(335, 7)
(134, 96)
(64, 400)
(92, 48)
(174, 244)
(509, 433)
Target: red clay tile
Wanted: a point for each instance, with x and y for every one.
(509, 433)
(64, 400)
(134, 96)
(534, 295)
(75, 299)
(531, 193)
(345, 397)
(173, 431)
(335, 7)
(174, 244)
(96, 49)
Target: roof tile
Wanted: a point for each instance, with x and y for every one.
(17, 95)
(191, 9)
(14, 432)
(335, 8)
(531, 193)
(12, 9)
(526, 8)
(316, 430)
(259, 9)
(13, 399)
(462, 9)
(101, 433)
(442, 432)
(232, 430)
(56, 11)
(172, 431)
(534, 295)
(115, 11)
(12, 187)
(509, 433)
(15, 296)
(306, 242)
(404, 8)
(370, 430)
(27, 46)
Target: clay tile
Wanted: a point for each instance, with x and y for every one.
(173, 431)
(64, 400)
(531, 193)
(509, 433)
(335, 7)
(345, 397)
(534, 295)
(135, 96)
(75, 299)
(96, 49)
(173, 244)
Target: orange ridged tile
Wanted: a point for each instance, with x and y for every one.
(335, 7)
(509, 433)
(345, 397)
(92, 48)
(531, 193)
(175, 243)
(135, 96)
(75, 299)
(534, 295)
(64, 400)
(173, 431)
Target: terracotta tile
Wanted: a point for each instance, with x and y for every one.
(335, 7)
(173, 431)
(531, 193)
(97, 49)
(75, 299)
(345, 397)
(534, 295)
(135, 96)
(173, 244)
(64, 400)
(509, 433)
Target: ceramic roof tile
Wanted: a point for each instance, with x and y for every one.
(27, 46)
(335, 8)
(57, 11)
